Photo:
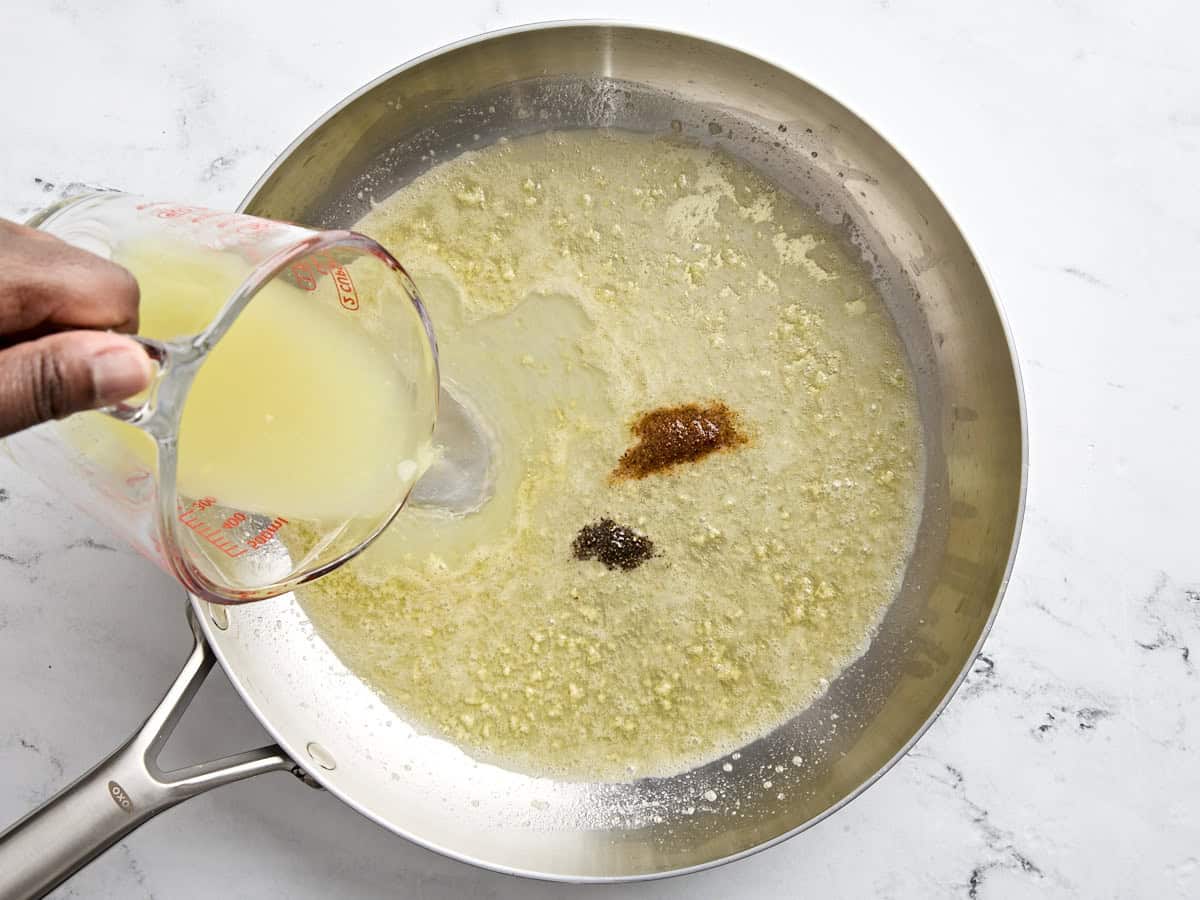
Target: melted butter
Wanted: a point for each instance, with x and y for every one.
(578, 281)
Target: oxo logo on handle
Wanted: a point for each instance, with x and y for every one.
(120, 797)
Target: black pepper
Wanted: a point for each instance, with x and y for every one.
(614, 545)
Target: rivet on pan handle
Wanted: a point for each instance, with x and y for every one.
(69, 830)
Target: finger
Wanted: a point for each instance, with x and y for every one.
(47, 284)
(68, 372)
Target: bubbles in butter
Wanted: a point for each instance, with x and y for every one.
(576, 281)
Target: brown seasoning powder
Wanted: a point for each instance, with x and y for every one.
(671, 435)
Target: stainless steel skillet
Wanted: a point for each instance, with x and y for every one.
(332, 731)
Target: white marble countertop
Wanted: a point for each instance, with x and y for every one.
(1065, 138)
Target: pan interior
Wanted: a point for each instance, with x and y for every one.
(589, 76)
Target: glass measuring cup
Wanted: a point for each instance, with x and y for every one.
(293, 406)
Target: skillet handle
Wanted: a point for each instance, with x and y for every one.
(69, 830)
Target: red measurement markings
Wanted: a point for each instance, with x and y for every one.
(264, 536)
(235, 222)
(210, 533)
(217, 230)
(347, 294)
(305, 275)
(302, 275)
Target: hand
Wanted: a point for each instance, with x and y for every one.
(48, 368)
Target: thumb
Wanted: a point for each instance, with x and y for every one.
(67, 372)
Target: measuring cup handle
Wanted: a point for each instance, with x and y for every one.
(135, 413)
(56, 840)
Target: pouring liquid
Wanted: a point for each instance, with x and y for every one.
(294, 413)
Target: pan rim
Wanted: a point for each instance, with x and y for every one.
(293, 751)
